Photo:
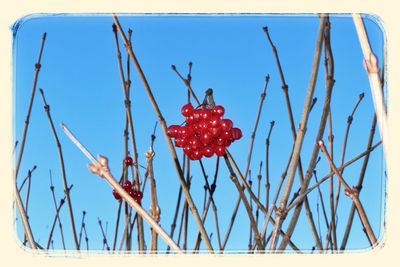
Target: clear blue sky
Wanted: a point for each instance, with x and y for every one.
(230, 54)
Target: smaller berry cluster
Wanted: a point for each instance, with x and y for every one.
(205, 132)
(137, 195)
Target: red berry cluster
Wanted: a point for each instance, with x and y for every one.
(135, 194)
(205, 133)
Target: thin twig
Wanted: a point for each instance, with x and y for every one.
(63, 174)
(353, 194)
(372, 69)
(55, 206)
(62, 201)
(301, 196)
(320, 132)
(104, 235)
(359, 185)
(18, 200)
(26, 178)
(245, 203)
(82, 227)
(333, 218)
(154, 207)
(285, 89)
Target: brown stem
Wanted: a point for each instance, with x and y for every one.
(320, 132)
(333, 218)
(103, 234)
(18, 200)
(154, 207)
(245, 203)
(62, 166)
(62, 201)
(301, 196)
(58, 217)
(353, 194)
(280, 216)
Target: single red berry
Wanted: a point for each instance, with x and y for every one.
(195, 143)
(186, 131)
(190, 119)
(220, 150)
(202, 125)
(218, 111)
(236, 133)
(187, 110)
(214, 121)
(226, 124)
(220, 141)
(214, 132)
(130, 192)
(128, 161)
(196, 155)
(197, 114)
(205, 114)
(208, 151)
(179, 142)
(116, 195)
(187, 149)
(173, 130)
(139, 194)
(127, 185)
(227, 135)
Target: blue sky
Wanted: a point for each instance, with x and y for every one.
(230, 54)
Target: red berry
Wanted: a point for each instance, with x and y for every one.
(128, 161)
(186, 131)
(127, 186)
(227, 135)
(214, 121)
(190, 119)
(187, 110)
(173, 130)
(220, 141)
(196, 155)
(214, 132)
(236, 133)
(226, 124)
(179, 142)
(208, 151)
(205, 114)
(220, 150)
(195, 143)
(202, 125)
(205, 137)
(116, 195)
(197, 114)
(130, 192)
(218, 111)
(139, 194)
(187, 149)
